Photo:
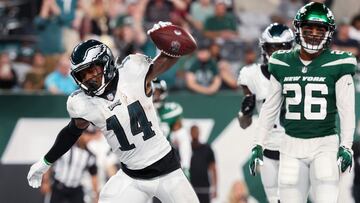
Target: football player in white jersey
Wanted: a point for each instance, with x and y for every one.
(255, 83)
(116, 97)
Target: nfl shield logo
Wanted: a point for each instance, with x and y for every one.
(304, 69)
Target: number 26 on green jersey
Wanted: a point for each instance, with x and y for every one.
(308, 101)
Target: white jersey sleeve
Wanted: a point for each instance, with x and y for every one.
(132, 74)
(269, 111)
(345, 102)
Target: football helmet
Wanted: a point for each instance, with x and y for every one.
(87, 54)
(276, 37)
(160, 92)
(314, 14)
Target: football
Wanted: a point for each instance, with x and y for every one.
(173, 40)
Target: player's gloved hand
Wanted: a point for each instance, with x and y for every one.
(256, 159)
(248, 105)
(36, 173)
(186, 172)
(158, 25)
(344, 158)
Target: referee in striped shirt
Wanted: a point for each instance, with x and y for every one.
(63, 182)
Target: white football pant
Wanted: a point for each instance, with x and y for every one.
(170, 188)
(269, 179)
(296, 175)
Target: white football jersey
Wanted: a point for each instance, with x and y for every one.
(129, 122)
(252, 77)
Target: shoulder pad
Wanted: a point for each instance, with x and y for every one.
(76, 104)
(340, 58)
(278, 59)
(76, 92)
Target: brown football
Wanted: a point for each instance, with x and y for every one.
(173, 40)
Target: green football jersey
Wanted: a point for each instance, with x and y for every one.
(309, 91)
(169, 113)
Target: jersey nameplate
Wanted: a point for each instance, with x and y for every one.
(304, 78)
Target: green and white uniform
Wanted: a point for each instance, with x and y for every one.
(170, 113)
(309, 92)
(313, 92)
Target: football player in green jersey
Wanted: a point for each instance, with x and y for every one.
(170, 115)
(316, 84)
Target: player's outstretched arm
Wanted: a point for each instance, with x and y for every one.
(64, 141)
(161, 63)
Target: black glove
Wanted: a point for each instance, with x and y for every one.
(248, 105)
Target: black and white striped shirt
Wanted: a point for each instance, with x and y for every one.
(69, 169)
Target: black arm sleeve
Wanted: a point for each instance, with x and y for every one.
(64, 141)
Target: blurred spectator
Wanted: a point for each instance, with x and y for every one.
(68, 13)
(202, 74)
(287, 10)
(34, 79)
(238, 192)
(222, 24)
(95, 22)
(180, 12)
(200, 10)
(99, 18)
(33, 82)
(38, 63)
(157, 10)
(49, 27)
(60, 80)
(250, 56)
(228, 77)
(116, 8)
(203, 175)
(343, 42)
(22, 65)
(8, 77)
(354, 30)
(230, 61)
(356, 183)
(66, 185)
(129, 35)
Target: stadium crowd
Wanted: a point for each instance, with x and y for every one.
(226, 32)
